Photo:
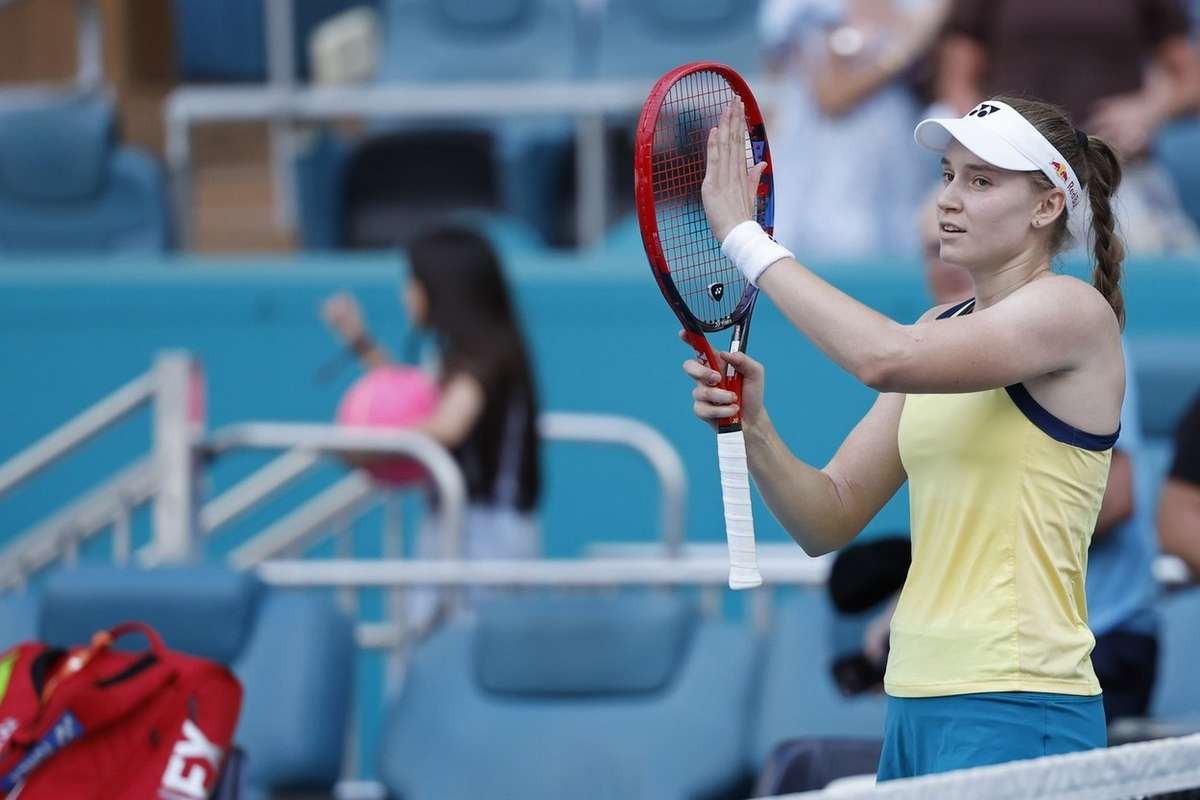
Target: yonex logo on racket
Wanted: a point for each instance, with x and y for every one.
(716, 291)
(982, 110)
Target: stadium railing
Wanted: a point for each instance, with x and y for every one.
(171, 476)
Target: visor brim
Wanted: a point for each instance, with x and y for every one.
(936, 135)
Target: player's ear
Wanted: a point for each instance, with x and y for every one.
(1052, 203)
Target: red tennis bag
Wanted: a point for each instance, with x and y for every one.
(94, 723)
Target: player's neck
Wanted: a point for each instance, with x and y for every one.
(994, 285)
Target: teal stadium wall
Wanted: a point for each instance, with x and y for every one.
(603, 340)
(602, 337)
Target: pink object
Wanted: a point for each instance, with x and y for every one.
(390, 397)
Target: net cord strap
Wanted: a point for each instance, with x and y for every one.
(1116, 773)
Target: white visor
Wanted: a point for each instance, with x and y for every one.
(999, 135)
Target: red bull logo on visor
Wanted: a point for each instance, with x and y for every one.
(1064, 176)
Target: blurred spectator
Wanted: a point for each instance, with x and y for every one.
(1179, 505)
(864, 585)
(487, 414)
(1121, 69)
(1122, 591)
(843, 109)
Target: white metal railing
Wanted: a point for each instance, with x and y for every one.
(577, 573)
(169, 479)
(77, 432)
(332, 509)
(255, 489)
(108, 506)
(354, 494)
(658, 452)
(352, 575)
(284, 105)
(166, 478)
(344, 497)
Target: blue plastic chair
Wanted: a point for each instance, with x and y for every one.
(66, 185)
(645, 38)
(439, 41)
(1178, 146)
(1176, 692)
(548, 696)
(225, 40)
(799, 698)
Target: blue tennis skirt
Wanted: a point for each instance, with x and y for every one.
(923, 735)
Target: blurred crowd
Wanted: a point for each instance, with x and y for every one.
(858, 74)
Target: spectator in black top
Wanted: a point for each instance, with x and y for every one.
(1179, 505)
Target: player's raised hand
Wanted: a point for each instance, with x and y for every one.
(729, 188)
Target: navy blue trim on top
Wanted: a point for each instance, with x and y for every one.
(1049, 424)
(1054, 427)
(953, 310)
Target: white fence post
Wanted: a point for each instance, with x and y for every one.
(175, 506)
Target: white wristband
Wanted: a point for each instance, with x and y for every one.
(752, 250)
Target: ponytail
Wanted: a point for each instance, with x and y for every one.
(1104, 175)
(1096, 164)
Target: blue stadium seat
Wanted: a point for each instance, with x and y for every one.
(1168, 378)
(465, 40)
(552, 696)
(1177, 693)
(645, 38)
(1178, 149)
(65, 183)
(320, 169)
(293, 652)
(437, 41)
(225, 40)
(799, 698)
(18, 618)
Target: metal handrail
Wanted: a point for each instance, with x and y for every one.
(335, 439)
(255, 489)
(646, 441)
(77, 432)
(298, 529)
(281, 104)
(166, 479)
(44, 543)
(396, 573)
(286, 535)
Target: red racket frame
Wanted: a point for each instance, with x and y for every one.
(643, 183)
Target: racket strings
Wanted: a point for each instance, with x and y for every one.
(708, 283)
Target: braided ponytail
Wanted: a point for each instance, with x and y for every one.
(1099, 169)
(1103, 177)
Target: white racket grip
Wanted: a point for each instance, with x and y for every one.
(739, 519)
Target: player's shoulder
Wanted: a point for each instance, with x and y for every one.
(1058, 294)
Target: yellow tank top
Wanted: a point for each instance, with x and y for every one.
(1004, 498)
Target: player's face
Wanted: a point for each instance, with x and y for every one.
(985, 214)
(416, 303)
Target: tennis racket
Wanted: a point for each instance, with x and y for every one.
(704, 289)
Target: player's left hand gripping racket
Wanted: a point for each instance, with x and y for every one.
(705, 289)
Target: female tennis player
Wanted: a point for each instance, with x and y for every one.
(1000, 411)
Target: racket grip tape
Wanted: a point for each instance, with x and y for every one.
(739, 519)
